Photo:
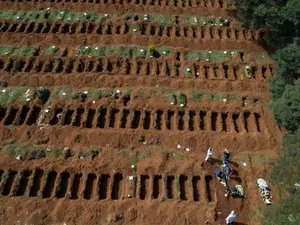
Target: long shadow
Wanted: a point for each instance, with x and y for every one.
(237, 223)
(235, 172)
(237, 179)
(234, 164)
(216, 161)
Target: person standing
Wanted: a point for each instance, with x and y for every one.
(221, 177)
(210, 152)
(227, 170)
(230, 218)
(226, 156)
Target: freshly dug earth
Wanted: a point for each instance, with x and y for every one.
(125, 165)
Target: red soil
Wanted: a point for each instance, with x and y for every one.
(172, 186)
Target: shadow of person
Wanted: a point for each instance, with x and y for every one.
(235, 172)
(216, 161)
(234, 164)
(237, 179)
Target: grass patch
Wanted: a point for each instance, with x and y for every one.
(134, 28)
(204, 20)
(261, 56)
(165, 93)
(14, 50)
(231, 3)
(72, 16)
(198, 95)
(9, 96)
(51, 50)
(145, 94)
(169, 95)
(158, 18)
(27, 151)
(181, 99)
(119, 50)
(188, 72)
(66, 92)
(62, 92)
(212, 56)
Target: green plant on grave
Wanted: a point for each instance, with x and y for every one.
(51, 50)
(166, 155)
(181, 99)
(94, 153)
(57, 65)
(48, 66)
(75, 95)
(5, 175)
(18, 65)
(248, 72)
(142, 138)
(188, 72)
(150, 49)
(134, 27)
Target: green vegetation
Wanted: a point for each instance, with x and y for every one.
(146, 93)
(66, 92)
(279, 18)
(285, 175)
(71, 16)
(181, 99)
(159, 19)
(204, 20)
(138, 156)
(169, 95)
(199, 95)
(287, 108)
(14, 50)
(51, 50)
(213, 56)
(231, 3)
(188, 72)
(26, 151)
(130, 52)
(11, 95)
(134, 28)
(281, 21)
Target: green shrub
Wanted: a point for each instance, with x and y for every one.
(94, 153)
(11, 141)
(36, 154)
(181, 99)
(51, 50)
(150, 49)
(18, 65)
(75, 95)
(286, 109)
(188, 72)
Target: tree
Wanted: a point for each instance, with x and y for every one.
(287, 108)
(284, 175)
(279, 18)
(287, 67)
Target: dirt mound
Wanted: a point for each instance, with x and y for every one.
(136, 127)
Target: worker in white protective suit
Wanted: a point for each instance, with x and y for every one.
(210, 152)
(230, 218)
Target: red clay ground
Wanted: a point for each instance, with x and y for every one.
(170, 185)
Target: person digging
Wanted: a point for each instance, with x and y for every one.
(237, 191)
(222, 178)
(226, 169)
(209, 154)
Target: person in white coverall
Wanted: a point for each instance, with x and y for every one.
(230, 218)
(210, 152)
